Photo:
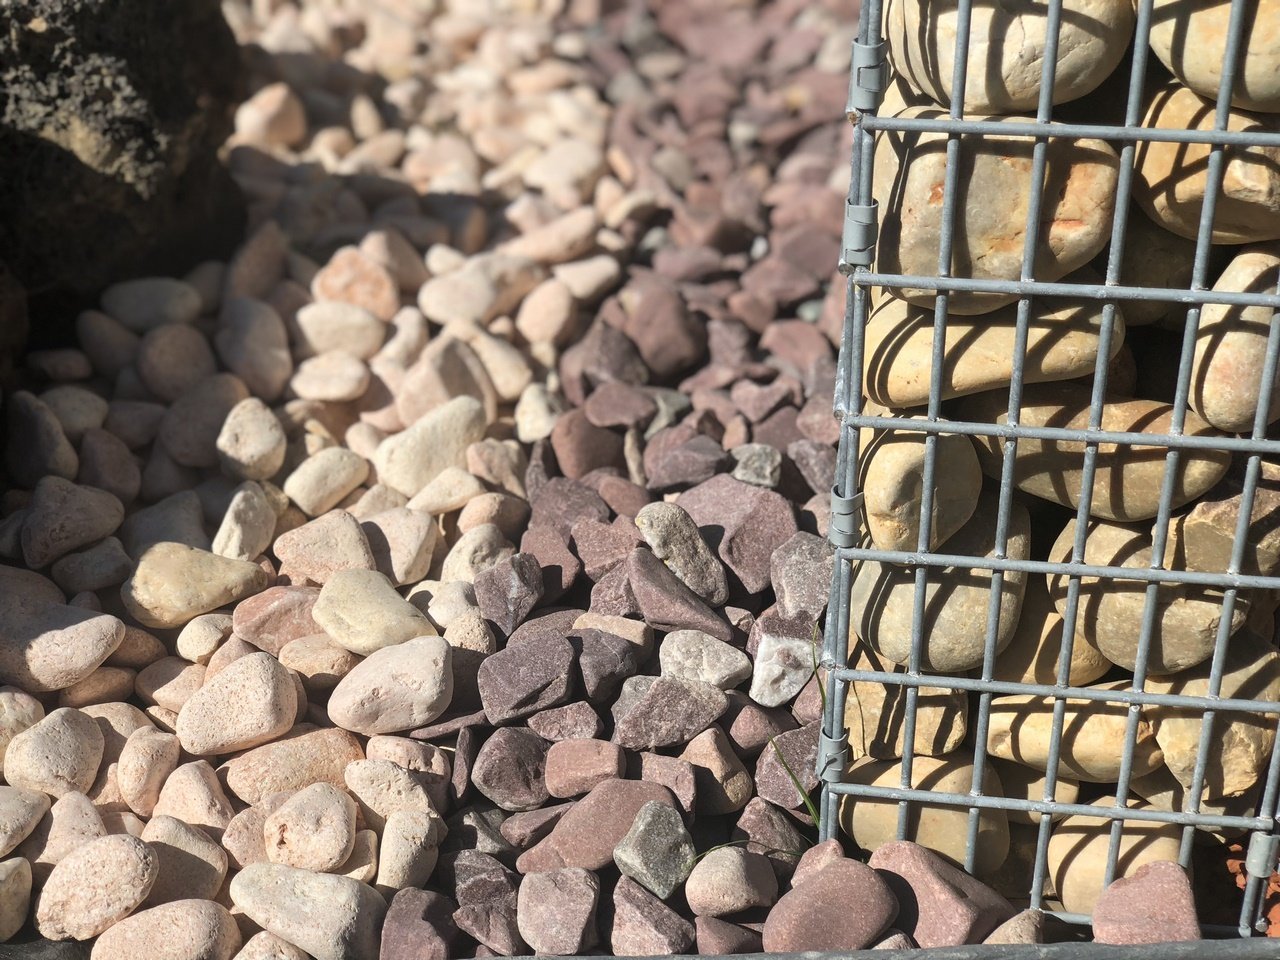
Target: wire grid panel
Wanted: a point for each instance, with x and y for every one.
(1258, 824)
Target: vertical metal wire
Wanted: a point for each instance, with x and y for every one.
(1035, 202)
(950, 201)
(1159, 533)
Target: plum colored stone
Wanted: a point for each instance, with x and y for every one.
(587, 835)
(670, 711)
(581, 447)
(573, 767)
(939, 905)
(666, 603)
(718, 937)
(603, 546)
(605, 660)
(618, 404)
(560, 567)
(800, 750)
(507, 591)
(1155, 905)
(563, 502)
(556, 911)
(673, 773)
(523, 830)
(644, 926)
(572, 721)
(679, 457)
(800, 571)
(510, 769)
(769, 831)
(816, 914)
(743, 523)
(418, 926)
(526, 678)
(487, 895)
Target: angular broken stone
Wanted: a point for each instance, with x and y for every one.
(643, 926)
(695, 655)
(556, 911)
(510, 769)
(587, 835)
(743, 523)
(657, 851)
(793, 752)
(525, 678)
(670, 711)
(605, 660)
(800, 571)
(508, 590)
(675, 540)
(665, 602)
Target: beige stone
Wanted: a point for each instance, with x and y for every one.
(875, 713)
(251, 702)
(1161, 789)
(722, 781)
(316, 550)
(396, 688)
(169, 682)
(381, 787)
(1021, 782)
(267, 946)
(1078, 852)
(409, 850)
(1063, 337)
(18, 712)
(201, 637)
(251, 443)
(1128, 479)
(410, 460)
(1006, 51)
(319, 662)
(174, 583)
(1111, 610)
(303, 757)
(403, 542)
(1231, 347)
(148, 757)
(72, 822)
(992, 216)
(94, 887)
(323, 480)
(891, 477)
(944, 829)
(315, 829)
(192, 929)
(882, 598)
(1240, 744)
(248, 526)
(1204, 538)
(104, 685)
(193, 794)
(1093, 735)
(447, 368)
(51, 646)
(362, 865)
(1154, 257)
(330, 917)
(1191, 40)
(21, 810)
(59, 754)
(15, 896)
(1033, 654)
(361, 611)
(474, 552)
(1171, 178)
(192, 866)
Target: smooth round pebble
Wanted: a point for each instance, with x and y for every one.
(315, 829)
(396, 688)
(96, 886)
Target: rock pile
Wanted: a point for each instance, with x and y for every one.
(1064, 347)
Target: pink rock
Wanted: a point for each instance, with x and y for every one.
(1155, 905)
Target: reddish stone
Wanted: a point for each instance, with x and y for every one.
(557, 911)
(586, 835)
(276, 616)
(618, 404)
(718, 937)
(679, 456)
(559, 567)
(526, 678)
(510, 769)
(1155, 905)
(572, 721)
(575, 766)
(581, 447)
(522, 830)
(815, 914)
(644, 926)
(603, 546)
(507, 591)
(667, 712)
(418, 926)
(799, 748)
(743, 523)
(562, 502)
(665, 602)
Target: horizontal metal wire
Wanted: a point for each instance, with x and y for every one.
(1143, 574)
(1100, 811)
(1057, 129)
(1014, 688)
(1019, 431)
(1077, 291)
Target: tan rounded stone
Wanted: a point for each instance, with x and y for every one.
(59, 754)
(321, 481)
(169, 682)
(148, 757)
(1062, 343)
(992, 215)
(18, 711)
(303, 757)
(1032, 655)
(94, 887)
(1021, 782)
(395, 688)
(882, 598)
(15, 896)
(361, 611)
(1240, 744)
(1093, 735)
(1191, 40)
(943, 829)
(192, 866)
(72, 822)
(1231, 347)
(1078, 852)
(267, 946)
(875, 713)
(1111, 609)
(409, 850)
(315, 829)
(1007, 48)
(192, 794)
(174, 583)
(1128, 479)
(184, 930)
(362, 865)
(1171, 178)
(381, 787)
(51, 646)
(251, 702)
(21, 811)
(891, 469)
(319, 661)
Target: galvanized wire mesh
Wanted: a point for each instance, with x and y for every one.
(1260, 827)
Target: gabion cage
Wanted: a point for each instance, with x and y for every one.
(1255, 825)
